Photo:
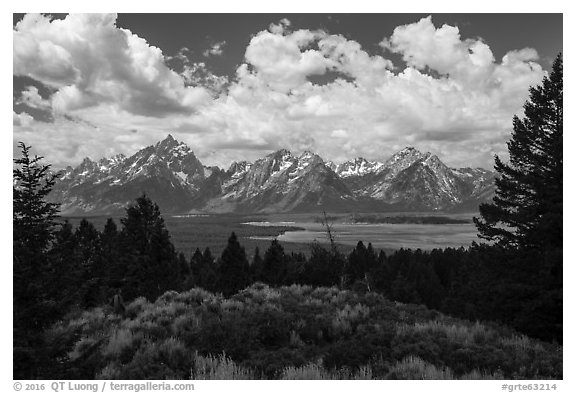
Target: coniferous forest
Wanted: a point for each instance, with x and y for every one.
(122, 303)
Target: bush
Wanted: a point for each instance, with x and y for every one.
(291, 332)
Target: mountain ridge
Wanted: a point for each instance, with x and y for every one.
(171, 174)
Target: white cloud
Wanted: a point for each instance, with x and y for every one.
(32, 98)
(282, 62)
(468, 110)
(215, 50)
(280, 27)
(339, 134)
(22, 119)
(464, 115)
(90, 61)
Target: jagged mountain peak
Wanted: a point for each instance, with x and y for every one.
(168, 141)
(170, 146)
(279, 182)
(309, 156)
(114, 160)
(283, 154)
(407, 152)
(237, 165)
(359, 166)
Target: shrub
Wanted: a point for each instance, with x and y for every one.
(412, 367)
(218, 367)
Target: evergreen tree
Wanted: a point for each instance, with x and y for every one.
(208, 271)
(274, 268)
(527, 209)
(111, 267)
(150, 258)
(325, 267)
(88, 243)
(91, 282)
(33, 216)
(33, 220)
(233, 268)
(65, 270)
(257, 265)
(360, 262)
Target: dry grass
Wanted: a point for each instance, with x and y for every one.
(119, 341)
(463, 334)
(412, 367)
(218, 368)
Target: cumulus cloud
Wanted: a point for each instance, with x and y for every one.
(22, 119)
(31, 97)
(469, 62)
(281, 60)
(89, 61)
(215, 50)
(453, 97)
(280, 27)
(462, 113)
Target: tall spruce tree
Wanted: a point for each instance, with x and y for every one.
(274, 266)
(233, 268)
(526, 211)
(33, 231)
(33, 216)
(151, 261)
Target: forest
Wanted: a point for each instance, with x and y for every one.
(122, 303)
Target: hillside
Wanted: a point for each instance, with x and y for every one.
(294, 332)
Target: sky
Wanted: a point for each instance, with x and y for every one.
(239, 86)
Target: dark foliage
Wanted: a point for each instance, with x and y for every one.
(233, 268)
(527, 209)
(33, 231)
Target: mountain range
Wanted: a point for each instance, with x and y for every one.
(171, 175)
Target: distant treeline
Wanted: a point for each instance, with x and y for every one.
(432, 220)
(377, 219)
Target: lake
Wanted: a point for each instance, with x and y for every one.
(387, 236)
(297, 231)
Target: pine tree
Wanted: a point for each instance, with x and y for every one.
(527, 209)
(257, 265)
(33, 216)
(233, 268)
(274, 267)
(208, 271)
(151, 261)
(65, 266)
(110, 267)
(34, 224)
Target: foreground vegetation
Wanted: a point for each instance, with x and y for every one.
(294, 332)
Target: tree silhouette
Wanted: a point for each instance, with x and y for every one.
(33, 216)
(274, 267)
(527, 209)
(233, 268)
(150, 259)
(34, 224)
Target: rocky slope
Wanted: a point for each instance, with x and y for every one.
(171, 175)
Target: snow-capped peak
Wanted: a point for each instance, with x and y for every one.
(238, 168)
(358, 167)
